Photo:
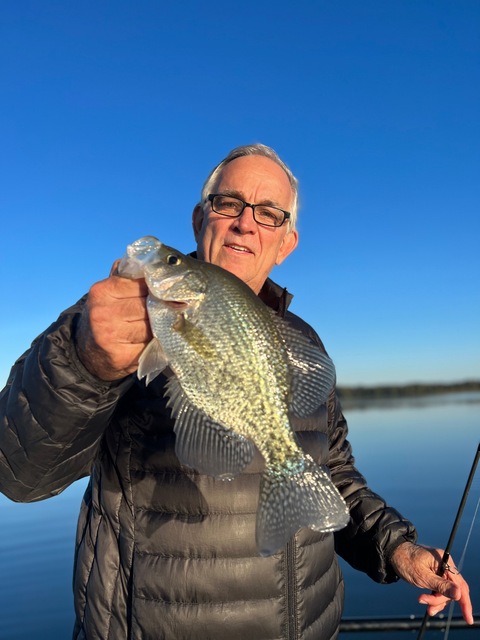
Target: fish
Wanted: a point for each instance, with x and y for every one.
(239, 373)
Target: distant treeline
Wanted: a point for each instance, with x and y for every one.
(405, 391)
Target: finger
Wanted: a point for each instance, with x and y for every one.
(466, 609)
(467, 612)
(117, 287)
(139, 282)
(447, 588)
(464, 600)
(136, 332)
(433, 599)
(114, 269)
(454, 585)
(436, 602)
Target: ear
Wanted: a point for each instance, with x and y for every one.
(289, 243)
(198, 216)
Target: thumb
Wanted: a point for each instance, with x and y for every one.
(114, 269)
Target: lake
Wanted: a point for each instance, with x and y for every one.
(415, 453)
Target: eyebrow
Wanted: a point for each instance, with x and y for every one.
(238, 194)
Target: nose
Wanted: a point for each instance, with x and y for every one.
(245, 223)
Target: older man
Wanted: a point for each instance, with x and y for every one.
(162, 551)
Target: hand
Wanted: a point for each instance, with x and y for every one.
(420, 566)
(114, 328)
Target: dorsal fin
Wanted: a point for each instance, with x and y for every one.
(312, 371)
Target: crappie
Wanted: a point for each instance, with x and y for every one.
(238, 372)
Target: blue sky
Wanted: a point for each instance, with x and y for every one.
(113, 113)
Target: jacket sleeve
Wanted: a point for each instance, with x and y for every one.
(53, 415)
(375, 529)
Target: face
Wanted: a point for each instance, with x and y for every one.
(241, 245)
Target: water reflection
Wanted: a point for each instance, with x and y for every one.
(417, 454)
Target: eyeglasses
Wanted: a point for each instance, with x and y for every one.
(234, 207)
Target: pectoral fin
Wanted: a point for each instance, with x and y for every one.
(152, 361)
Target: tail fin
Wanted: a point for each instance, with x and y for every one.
(293, 498)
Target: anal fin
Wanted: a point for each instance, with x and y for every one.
(291, 499)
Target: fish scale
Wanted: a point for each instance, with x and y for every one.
(239, 372)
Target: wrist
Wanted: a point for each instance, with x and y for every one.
(399, 552)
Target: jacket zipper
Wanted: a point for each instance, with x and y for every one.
(291, 590)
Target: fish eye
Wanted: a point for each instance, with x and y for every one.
(173, 259)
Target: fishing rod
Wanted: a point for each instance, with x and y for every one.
(446, 555)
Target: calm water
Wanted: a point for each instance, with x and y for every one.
(416, 454)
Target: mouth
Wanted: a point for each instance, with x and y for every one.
(237, 248)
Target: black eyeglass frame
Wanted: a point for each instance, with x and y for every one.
(286, 214)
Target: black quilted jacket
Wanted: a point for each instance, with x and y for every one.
(164, 553)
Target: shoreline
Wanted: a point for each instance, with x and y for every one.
(411, 390)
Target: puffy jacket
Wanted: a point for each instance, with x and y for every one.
(162, 552)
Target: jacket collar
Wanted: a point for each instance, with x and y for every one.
(276, 297)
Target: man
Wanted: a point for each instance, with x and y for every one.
(162, 551)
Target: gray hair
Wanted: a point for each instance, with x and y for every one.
(254, 150)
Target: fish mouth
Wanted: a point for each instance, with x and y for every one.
(177, 304)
